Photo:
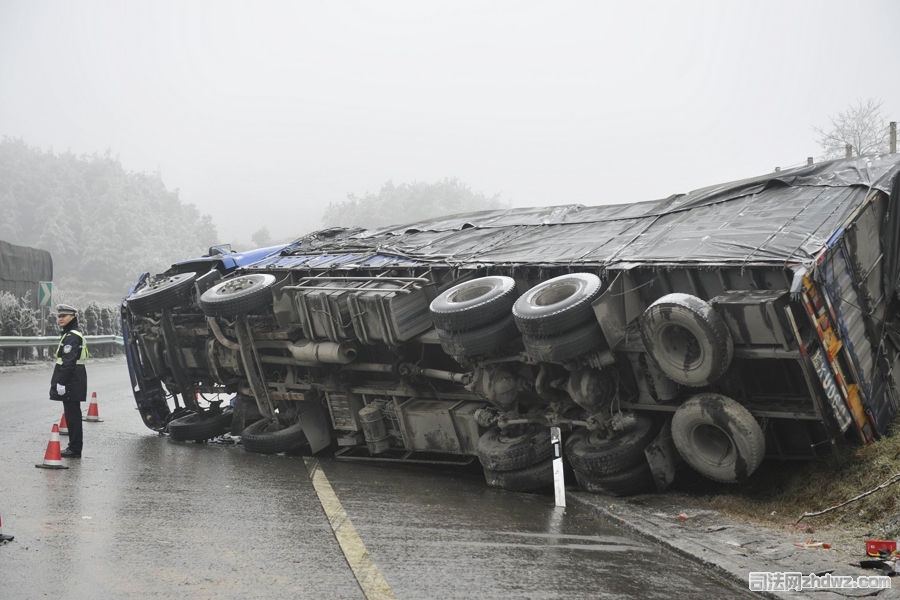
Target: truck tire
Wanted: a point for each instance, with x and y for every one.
(271, 437)
(718, 437)
(597, 456)
(687, 339)
(238, 295)
(483, 341)
(161, 292)
(637, 479)
(472, 304)
(556, 305)
(565, 346)
(201, 426)
(536, 477)
(508, 451)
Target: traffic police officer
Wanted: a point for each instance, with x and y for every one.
(69, 382)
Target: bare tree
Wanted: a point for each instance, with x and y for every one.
(861, 126)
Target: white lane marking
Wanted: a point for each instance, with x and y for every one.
(371, 581)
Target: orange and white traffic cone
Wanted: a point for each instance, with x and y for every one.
(5, 538)
(53, 455)
(63, 426)
(93, 415)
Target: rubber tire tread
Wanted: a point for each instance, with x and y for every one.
(527, 449)
(736, 422)
(565, 346)
(239, 303)
(562, 316)
(637, 479)
(201, 426)
(483, 341)
(150, 299)
(257, 438)
(472, 314)
(533, 478)
(610, 456)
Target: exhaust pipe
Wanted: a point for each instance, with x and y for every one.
(323, 352)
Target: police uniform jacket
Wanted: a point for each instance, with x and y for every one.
(69, 370)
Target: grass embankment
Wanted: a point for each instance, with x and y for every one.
(780, 492)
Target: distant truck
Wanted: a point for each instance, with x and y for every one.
(742, 321)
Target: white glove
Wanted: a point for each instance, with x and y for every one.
(60, 389)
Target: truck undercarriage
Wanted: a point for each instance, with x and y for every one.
(745, 321)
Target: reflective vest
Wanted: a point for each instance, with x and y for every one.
(84, 348)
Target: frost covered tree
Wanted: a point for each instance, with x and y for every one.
(861, 126)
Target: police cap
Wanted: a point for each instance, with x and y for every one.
(65, 309)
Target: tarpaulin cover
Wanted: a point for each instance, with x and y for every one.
(783, 218)
(21, 268)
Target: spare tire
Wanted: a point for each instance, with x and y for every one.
(471, 304)
(718, 437)
(161, 291)
(687, 339)
(557, 305)
(238, 295)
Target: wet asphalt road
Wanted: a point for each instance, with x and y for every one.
(141, 516)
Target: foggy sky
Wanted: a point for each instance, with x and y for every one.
(263, 112)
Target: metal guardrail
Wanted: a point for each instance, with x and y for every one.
(8, 341)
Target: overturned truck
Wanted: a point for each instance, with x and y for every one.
(750, 320)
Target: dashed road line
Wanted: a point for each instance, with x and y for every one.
(371, 581)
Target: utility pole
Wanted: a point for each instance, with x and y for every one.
(893, 137)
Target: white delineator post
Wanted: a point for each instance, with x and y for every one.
(559, 481)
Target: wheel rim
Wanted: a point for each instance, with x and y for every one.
(240, 284)
(713, 444)
(554, 294)
(681, 347)
(468, 293)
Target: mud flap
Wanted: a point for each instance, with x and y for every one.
(662, 457)
(315, 426)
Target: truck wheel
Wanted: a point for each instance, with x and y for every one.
(516, 448)
(238, 295)
(637, 479)
(535, 477)
(718, 437)
(566, 346)
(271, 437)
(599, 456)
(556, 305)
(161, 292)
(687, 339)
(201, 426)
(472, 304)
(482, 341)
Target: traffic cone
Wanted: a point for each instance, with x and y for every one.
(5, 538)
(93, 415)
(53, 455)
(63, 426)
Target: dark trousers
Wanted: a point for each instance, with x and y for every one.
(72, 409)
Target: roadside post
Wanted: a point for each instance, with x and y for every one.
(559, 482)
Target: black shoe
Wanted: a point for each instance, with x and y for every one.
(69, 453)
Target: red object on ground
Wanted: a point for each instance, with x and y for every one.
(877, 547)
(53, 455)
(63, 426)
(93, 412)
